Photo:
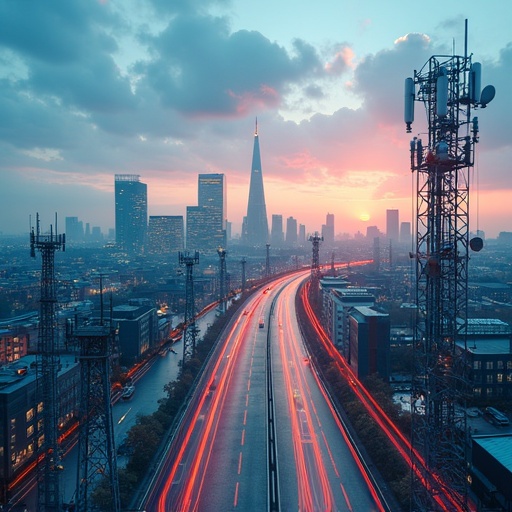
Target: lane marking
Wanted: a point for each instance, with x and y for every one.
(243, 437)
(235, 501)
(346, 497)
(240, 463)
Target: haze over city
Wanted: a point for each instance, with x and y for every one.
(92, 89)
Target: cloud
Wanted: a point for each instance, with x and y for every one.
(203, 69)
(90, 90)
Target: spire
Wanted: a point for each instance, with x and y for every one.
(257, 224)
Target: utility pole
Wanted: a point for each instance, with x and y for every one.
(222, 279)
(243, 261)
(267, 262)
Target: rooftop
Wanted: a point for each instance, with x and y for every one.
(499, 446)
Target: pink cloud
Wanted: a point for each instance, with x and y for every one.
(342, 61)
(265, 97)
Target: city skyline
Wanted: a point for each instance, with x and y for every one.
(79, 106)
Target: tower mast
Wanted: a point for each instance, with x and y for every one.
(47, 368)
(449, 87)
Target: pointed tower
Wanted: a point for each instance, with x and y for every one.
(257, 224)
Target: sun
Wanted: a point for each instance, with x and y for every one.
(364, 217)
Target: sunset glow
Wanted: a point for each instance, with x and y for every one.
(81, 106)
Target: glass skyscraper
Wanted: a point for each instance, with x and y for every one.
(206, 222)
(131, 212)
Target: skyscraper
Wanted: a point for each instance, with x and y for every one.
(405, 232)
(74, 229)
(392, 230)
(206, 222)
(131, 210)
(211, 191)
(276, 233)
(328, 229)
(291, 231)
(165, 234)
(257, 223)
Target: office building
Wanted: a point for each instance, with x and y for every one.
(257, 224)
(21, 428)
(276, 232)
(137, 328)
(206, 222)
(369, 333)
(302, 235)
(291, 232)
(392, 224)
(131, 210)
(74, 230)
(328, 229)
(212, 197)
(405, 233)
(165, 234)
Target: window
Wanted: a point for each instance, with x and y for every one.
(489, 392)
(40, 407)
(477, 391)
(30, 415)
(500, 365)
(489, 365)
(499, 377)
(509, 365)
(489, 379)
(477, 365)
(30, 431)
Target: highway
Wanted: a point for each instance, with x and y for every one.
(260, 433)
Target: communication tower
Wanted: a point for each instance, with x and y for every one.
(315, 262)
(449, 88)
(96, 446)
(191, 331)
(222, 279)
(47, 368)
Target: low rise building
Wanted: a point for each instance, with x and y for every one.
(21, 425)
(369, 347)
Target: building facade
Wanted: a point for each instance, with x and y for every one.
(488, 355)
(276, 232)
(328, 229)
(131, 211)
(369, 347)
(291, 232)
(137, 331)
(206, 222)
(21, 427)
(392, 225)
(165, 234)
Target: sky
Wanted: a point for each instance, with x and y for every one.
(168, 90)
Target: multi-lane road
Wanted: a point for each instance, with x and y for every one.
(260, 433)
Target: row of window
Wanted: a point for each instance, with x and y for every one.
(499, 378)
(488, 391)
(489, 365)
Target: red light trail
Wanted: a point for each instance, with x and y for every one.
(445, 499)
